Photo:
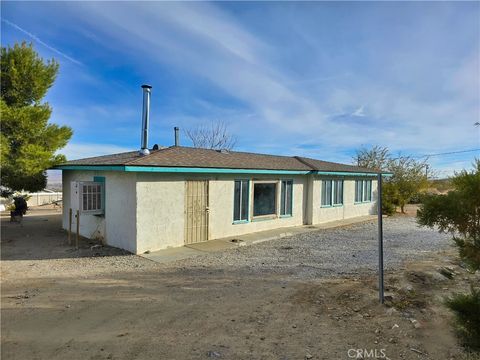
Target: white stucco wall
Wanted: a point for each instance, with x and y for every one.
(160, 211)
(118, 226)
(348, 210)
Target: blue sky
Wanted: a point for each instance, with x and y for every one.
(319, 79)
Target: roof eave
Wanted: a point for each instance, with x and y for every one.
(164, 169)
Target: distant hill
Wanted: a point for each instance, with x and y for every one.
(441, 185)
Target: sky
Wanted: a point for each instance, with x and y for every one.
(317, 79)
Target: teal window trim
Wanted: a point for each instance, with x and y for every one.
(285, 216)
(236, 222)
(264, 218)
(325, 206)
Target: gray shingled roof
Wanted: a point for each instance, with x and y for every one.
(179, 156)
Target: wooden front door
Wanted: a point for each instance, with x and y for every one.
(196, 211)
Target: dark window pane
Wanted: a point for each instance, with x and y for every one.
(286, 198)
(289, 193)
(358, 190)
(327, 193)
(283, 198)
(245, 198)
(338, 200)
(236, 201)
(264, 199)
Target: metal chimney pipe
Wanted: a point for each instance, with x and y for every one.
(145, 119)
(176, 129)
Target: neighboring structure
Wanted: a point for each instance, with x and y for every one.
(166, 197)
(179, 195)
(44, 197)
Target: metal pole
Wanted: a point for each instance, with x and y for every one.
(78, 229)
(177, 135)
(70, 226)
(380, 240)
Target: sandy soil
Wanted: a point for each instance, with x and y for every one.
(101, 303)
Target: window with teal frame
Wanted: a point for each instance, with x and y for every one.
(101, 179)
(240, 201)
(286, 198)
(363, 191)
(332, 193)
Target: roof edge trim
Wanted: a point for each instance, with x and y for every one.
(207, 170)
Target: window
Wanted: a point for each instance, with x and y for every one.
(332, 192)
(358, 190)
(363, 191)
(286, 197)
(367, 196)
(338, 192)
(326, 193)
(240, 203)
(91, 197)
(264, 198)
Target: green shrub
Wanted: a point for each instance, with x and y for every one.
(389, 205)
(467, 312)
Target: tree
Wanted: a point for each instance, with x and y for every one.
(458, 213)
(212, 136)
(375, 158)
(28, 142)
(407, 177)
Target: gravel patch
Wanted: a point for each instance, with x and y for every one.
(332, 252)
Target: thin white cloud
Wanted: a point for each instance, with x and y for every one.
(35, 38)
(359, 112)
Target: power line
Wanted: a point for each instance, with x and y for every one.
(447, 153)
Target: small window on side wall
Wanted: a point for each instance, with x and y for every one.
(240, 204)
(91, 197)
(286, 198)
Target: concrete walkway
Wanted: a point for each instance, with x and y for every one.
(188, 251)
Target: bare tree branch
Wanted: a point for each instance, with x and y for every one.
(212, 136)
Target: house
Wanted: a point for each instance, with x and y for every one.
(167, 197)
(181, 195)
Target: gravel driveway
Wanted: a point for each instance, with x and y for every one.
(339, 251)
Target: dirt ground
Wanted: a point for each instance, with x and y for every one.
(102, 303)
